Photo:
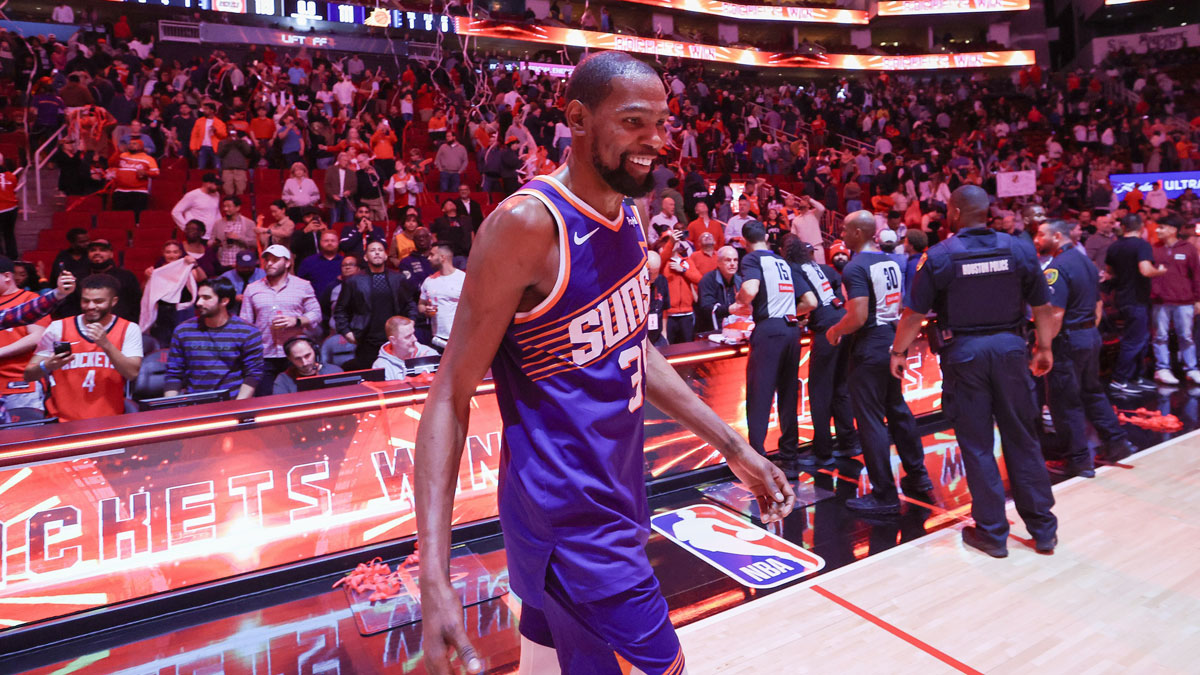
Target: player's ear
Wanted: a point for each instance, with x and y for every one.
(577, 116)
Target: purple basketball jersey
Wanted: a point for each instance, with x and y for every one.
(569, 382)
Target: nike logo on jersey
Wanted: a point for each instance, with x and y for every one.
(580, 241)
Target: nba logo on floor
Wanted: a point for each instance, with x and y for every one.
(751, 555)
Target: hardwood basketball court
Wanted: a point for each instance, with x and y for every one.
(1121, 594)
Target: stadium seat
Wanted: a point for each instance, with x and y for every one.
(152, 376)
(86, 204)
(117, 236)
(52, 238)
(337, 351)
(121, 219)
(65, 220)
(268, 177)
(44, 256)
(172, 175)
(155, 218)
(136, 260)
(153, 237)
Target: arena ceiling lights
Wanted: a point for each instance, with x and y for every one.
(915, 7)
(557, 35)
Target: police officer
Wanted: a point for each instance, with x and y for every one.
(771, 295)
(828, 396)
(979, 282)
(874, 285)
(1076, 393)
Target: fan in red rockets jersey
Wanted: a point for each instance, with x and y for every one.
(555, 302)
(8, 212)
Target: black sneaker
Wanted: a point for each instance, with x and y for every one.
(812, 463)
(1070, 469)
(972, 537)
(1123, 389)
(788, 466)
(1045, 546)
(1142, 384)
(846, 453)
(916, 485)
(873, 505)
(1115, 451)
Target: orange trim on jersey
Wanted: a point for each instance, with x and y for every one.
(584, 208)
(603, 354)
(549, 343)
(564, 273)
(587, 307)
(677, 665)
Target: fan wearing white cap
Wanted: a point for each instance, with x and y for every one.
(282, 306)
(889, 243)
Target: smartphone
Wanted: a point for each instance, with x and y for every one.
(62, 348)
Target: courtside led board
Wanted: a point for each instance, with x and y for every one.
(747, 553)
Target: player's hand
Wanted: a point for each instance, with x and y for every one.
(1043, 361)
(350, 338)
(770, 487)
(96, 333)
(899, 363)
(66, 285)
(443, 635)
(833, 336)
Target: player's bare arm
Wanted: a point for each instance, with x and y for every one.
(667, 391)
(512, 267)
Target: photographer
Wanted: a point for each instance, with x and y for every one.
(236, 153)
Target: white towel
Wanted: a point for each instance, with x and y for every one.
(166, 283)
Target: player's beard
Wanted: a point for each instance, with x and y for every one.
(620, 180)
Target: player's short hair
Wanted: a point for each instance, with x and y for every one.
(75, 232)
(591, 81)
(445, 245)
(97, 281)
(754, 232)
(237, 201)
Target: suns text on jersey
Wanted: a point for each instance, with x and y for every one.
(611, 319)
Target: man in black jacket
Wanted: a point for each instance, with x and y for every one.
(469, 208)
(718, 290)
(367, 301)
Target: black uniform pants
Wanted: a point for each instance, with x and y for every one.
(772, 372)
(1077, 395)
(828, 395)
(986, 384)
(877, 396)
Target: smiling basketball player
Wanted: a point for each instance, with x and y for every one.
(555, 302)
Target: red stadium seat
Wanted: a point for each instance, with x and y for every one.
(173, 175)
(53, 238)
(268, 177)
(136, 260)
(153, 237)
(44, 256)
(149, 218)
(115, 219)
(67, 219)
(86, 204)
(168, 187)
(117, 236)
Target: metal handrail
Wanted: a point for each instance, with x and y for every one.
(37, 162)
(852, 143)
